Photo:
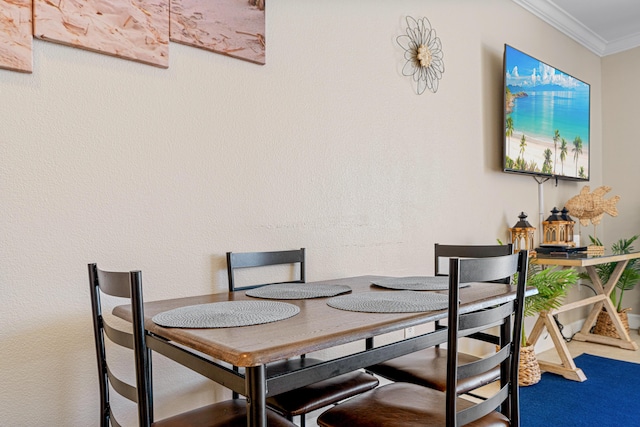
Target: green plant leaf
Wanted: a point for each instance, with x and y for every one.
(552, 285)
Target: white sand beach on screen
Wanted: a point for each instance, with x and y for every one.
(535, 148)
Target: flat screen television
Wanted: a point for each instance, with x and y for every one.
(546, 119)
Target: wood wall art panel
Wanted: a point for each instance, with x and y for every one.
(16, 41)
(131, 29)
(230, 27)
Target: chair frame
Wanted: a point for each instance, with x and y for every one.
(237, 260)
(484, 270)
(129, 285)
(122, 285)
(384, 405)
(472, 251)
(465, 251)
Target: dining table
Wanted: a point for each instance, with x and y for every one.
(599, 301)
(237, 357)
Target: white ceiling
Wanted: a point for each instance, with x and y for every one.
(603, 26)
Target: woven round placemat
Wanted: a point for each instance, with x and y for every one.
(416, 283)
(298, 291)
(226, 314)
(390, 302)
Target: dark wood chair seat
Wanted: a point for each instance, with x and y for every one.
(323, 393)
(428, 368)
(400, 405)
(231, 413)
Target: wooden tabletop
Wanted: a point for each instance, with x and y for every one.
(583, 260)
(316, 327)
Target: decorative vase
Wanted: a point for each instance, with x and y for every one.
(529, 371)
(604, 325)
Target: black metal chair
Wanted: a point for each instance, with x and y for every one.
(411, 405)
(428, 367)
(128, 285)
(301, 401)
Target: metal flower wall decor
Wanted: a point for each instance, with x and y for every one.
(423, 52)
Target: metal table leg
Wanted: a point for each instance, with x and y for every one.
(256, 384)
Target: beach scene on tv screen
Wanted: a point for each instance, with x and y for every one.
(546, 119)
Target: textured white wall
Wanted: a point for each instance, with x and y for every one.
(620, 94)
(327, 147)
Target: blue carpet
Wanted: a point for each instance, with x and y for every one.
(609, 397)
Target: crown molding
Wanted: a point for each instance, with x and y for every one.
(567, 24)
(622, 44)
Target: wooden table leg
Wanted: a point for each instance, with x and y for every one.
(585, 333)
(600, 300)
(567, 368)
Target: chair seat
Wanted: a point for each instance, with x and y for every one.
(428, 368)
(402, 405)
(318, 395)
(232, 413)
(323, 393)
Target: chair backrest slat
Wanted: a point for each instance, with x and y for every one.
(240, 260)
(117, 336)
(257, 259)
(122, 388)
(114, 421)
(468, 251)
(485, 317)
(478, 270)
(468, 415)
(117, 284)
(482, 365)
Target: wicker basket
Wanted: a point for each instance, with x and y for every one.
(604, 325)
(595, 250)
(529, 373)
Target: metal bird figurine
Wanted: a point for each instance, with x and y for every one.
(592, 206)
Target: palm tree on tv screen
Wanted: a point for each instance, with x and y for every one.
(509, 133)
(523, 145)
(556, 138)
(577, 150)
(546, 166)
(564, 149)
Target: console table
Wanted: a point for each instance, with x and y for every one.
(567, 368)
